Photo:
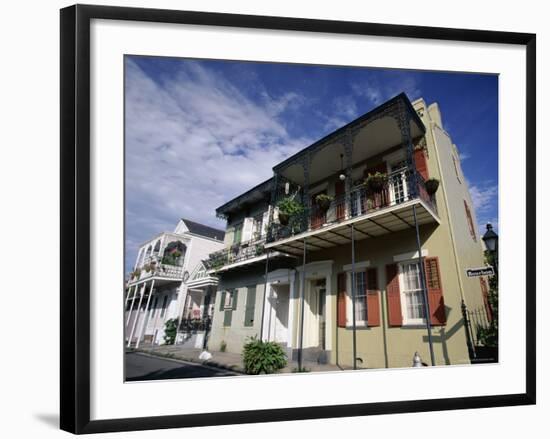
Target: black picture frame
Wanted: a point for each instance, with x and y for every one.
(75, 217)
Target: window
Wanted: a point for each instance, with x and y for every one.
(455, 163)
(250, 306)
(257, 226)
(470, 221)
(228, 303)
(237, 234)
(360, 297)
(412, 300)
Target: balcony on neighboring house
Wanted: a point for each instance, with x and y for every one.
(248, 251)
(369, 174)
(161, 259)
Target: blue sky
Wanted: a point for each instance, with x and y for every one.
(199, 133)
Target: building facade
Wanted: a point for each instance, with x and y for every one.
(371, 275)
(166, 282)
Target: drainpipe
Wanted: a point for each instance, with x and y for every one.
(353, 297)
(301, 338)
(423, 286)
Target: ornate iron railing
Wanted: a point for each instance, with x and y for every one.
(399, 188)
(155, 269)
(236, 253)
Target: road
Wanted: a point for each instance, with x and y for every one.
(141, 367)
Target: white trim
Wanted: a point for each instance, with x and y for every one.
(358, 265)
(409, 256)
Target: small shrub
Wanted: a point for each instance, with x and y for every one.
(223, 346)
(170, 331)
(263, 357)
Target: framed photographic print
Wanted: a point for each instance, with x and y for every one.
(268, 218)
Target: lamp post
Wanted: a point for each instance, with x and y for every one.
(490, 238)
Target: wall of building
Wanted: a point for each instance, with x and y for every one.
(386, 346)
(236, 335)
(444, 164)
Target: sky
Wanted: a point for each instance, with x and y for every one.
(200, 132)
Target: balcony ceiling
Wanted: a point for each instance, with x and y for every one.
(373, 225)
(373, 139)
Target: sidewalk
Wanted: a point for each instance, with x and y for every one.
(224, 360)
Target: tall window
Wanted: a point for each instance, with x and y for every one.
(470, 221)
(360, 297)
(412, 298)
(237, 234)
(455, 163)
(257, 226)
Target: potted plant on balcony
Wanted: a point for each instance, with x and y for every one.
(288, 207)
(432, 184)
(323, 201)
(376, 182)
(259, 249)
(136, 273)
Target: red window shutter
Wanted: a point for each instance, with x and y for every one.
(485, 295)
(420, 163)
(394, 296)
(373, 297)
(341, 312)
(435, 291)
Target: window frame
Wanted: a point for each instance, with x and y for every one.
(404, 293)
(362, 323)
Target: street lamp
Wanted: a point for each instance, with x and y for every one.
(490, 238)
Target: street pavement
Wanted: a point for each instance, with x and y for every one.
(141, 367)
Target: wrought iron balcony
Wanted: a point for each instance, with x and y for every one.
(359, 202)
(153, 267)
(236, 253)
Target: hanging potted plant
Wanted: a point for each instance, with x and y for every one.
(323, 201)
(432, 184)
(376, 182)
(288, 207)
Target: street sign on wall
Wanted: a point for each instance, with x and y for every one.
(483, 271)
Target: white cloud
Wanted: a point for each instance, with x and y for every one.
(484, 197)
(194, 142)
(464, 156)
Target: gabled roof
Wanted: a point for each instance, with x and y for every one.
(202, 230)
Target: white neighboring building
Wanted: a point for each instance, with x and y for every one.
(157, 288)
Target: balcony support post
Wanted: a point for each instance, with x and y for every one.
(424, 289)
(306, 199)
(146, 316)
(265, 296)
(403, 120)
(302, 303)
(348, 154)
(353, 296)
(141, 293)
(131, 306)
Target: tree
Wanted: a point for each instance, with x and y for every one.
(489, 336)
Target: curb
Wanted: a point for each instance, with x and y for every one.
(172, 356)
